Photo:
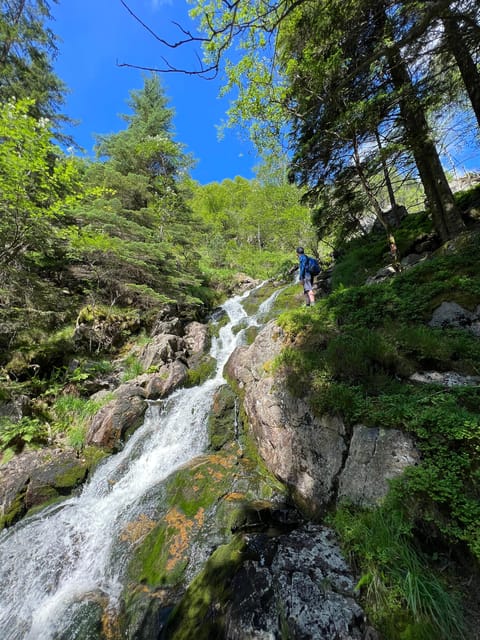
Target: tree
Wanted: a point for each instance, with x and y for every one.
(136, 231)
(380, 80)
(36, 183)
(455, 26)
(145, 149)
(27, 48)
(344, 82)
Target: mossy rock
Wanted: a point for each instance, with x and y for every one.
(222, 419)
(209, 592)
(200, 371)
(16, 510)
(203, 503)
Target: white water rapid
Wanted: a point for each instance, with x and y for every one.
(49, 561)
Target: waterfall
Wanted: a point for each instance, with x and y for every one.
(51, 560)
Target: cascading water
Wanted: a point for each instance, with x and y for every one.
(50, 561)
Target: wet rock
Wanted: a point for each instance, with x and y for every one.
(222, 419)
(299, 584)
(241, 283)
(168, 378)
(200, 505)
(161, 350)
(119, 418)
(116, 421)
(37, 477)
(196, 338)
(294, 585)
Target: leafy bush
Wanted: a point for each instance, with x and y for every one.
(15, 435)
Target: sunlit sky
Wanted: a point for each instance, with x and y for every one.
(99, 35)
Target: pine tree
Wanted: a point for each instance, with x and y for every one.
(139, 234)
(27, 49)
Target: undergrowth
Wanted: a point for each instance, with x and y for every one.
(356, 351)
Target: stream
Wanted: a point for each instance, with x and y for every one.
(51, 560)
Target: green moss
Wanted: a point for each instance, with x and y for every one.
(201, 372)
(191, 493)
(221, 421)
(15, 511)
(209, 592)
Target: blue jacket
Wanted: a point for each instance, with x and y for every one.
(303, 259)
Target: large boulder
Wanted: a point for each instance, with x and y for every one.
(293, 585)
(201, 505)
(34, 478)
(452, 315)
(162, 349)
(317, 457)
(196, 338)
(116, 421)
(375, 456)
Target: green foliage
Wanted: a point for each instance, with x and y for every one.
(252, 226)
(355, 352)
(15, 435)
(71, 414)
(28, 48)
(198, 374)
(364, 256)
(469, 199)
(36, 183)
(135, 230)
(132, 367)
(404, 598)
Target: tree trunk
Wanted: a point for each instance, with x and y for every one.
(375, 206)
(468, 69)
(446, 216)
(386, 175)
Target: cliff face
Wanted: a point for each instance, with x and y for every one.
(319, 458)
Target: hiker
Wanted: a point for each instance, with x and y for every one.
(305, 277)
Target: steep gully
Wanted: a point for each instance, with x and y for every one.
(49, 561)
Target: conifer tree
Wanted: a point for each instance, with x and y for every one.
(27, 49)
(139, 235)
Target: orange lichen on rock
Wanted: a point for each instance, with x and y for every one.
(138, 529)
(183, 528)
(231, 497)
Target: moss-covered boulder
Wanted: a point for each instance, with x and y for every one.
(223, 420)
(36, 478)
(204, 502)
(292, 585)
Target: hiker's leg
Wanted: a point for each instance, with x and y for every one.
(308, 290)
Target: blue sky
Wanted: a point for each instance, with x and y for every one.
(97, 35)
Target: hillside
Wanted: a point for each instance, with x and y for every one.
(383, 348)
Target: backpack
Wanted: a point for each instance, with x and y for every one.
(313, 267)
